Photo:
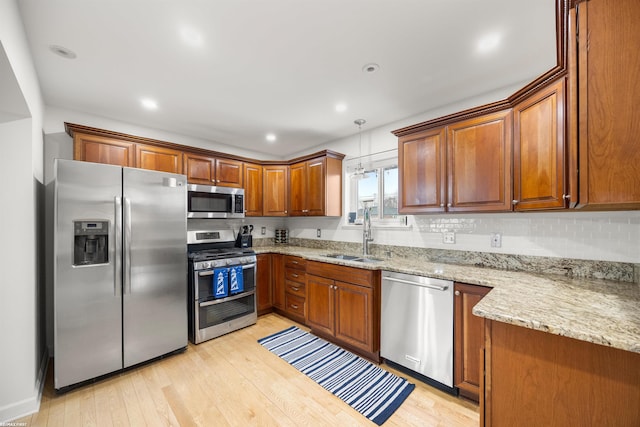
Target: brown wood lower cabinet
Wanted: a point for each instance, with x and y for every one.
(535, 378)
(343, 305)
(468, 340)
(294, 288)
(264, 284)
(277, 280)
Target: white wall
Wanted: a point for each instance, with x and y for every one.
(21, 289)
(55, 118)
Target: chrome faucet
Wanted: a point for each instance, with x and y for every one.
(366, 229)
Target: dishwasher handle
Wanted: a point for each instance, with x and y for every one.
(411, 282)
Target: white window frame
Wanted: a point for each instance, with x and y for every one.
(375, 162)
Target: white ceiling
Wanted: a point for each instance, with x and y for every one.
(281, 66)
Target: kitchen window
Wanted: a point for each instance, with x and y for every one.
(378, 189)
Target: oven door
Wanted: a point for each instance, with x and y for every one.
(212, 317)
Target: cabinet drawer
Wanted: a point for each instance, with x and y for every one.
(294, 304)
(357, 276)
(295, 288)
(295, 275)
(295, 262)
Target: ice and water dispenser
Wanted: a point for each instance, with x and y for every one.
(91, 242)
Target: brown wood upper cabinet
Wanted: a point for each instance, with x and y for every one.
(213, 171)
(102, 149)
(343, 304)
(158, 158)
(539, 166)
(316, 187)
(604, 73)
(479, 163)
(275, 192)
(423, 180)
(252, 189)
(463, 167)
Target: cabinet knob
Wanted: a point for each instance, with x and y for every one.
(457, 293)
(442, 205)
(448, 205)
(515, 202)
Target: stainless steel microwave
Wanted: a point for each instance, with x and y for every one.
(206, 201)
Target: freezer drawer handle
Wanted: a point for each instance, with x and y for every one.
(424, 285)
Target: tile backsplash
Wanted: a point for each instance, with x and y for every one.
(606, 236)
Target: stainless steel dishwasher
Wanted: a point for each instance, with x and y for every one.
(417, 325)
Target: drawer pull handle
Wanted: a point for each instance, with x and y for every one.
(294, 306)
(295, 288)
(294, 275)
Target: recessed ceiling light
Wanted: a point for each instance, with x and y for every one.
(191, 37)
(149, 104)
(62, 51)
(370, 68)
(488, 43)
(341, 108)
(270, 137)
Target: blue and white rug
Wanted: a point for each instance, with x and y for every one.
(367, 388)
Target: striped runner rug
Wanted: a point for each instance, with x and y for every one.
(367, 388)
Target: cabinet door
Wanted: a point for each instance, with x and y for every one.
(158, 158)
(275, 191)
(264, 284)
(199, 169)
(229, 173)
(422, 175)
(539, 150)
(252, 189)
(316, 192)
(278, 279)
(608, 104)
(479, 164)
(468, 339)
(320, 304)
(354, 315)
(98, 149)
(298, 189)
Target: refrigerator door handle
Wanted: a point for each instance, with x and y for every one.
(117, 262)
(127, 245)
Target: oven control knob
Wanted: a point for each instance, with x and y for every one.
(206, 264)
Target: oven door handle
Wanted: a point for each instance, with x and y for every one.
(231, 298)
(210, 272)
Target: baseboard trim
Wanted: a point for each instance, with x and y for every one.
(30, 405)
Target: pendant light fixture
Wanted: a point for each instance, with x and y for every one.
(359, 173)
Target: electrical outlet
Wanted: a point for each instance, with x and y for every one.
(496, 240)
(318, 232)
(263, 230)
(449, 238)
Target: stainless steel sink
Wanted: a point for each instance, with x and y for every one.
(355, 258)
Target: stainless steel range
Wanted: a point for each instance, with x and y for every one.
(222, 284)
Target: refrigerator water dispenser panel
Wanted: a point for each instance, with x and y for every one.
(90, 242)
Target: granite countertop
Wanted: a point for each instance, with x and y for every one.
(599, 311)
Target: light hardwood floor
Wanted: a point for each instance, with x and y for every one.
(231, 381)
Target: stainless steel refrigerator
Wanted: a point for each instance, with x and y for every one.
(120, 285)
